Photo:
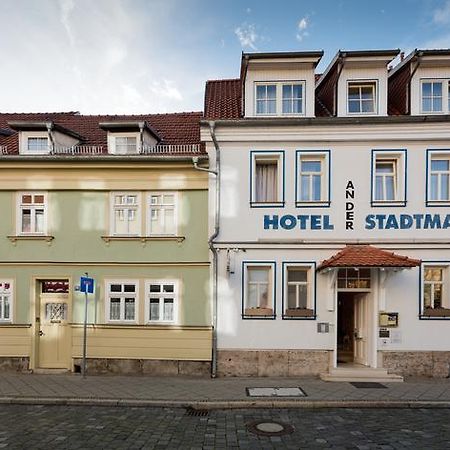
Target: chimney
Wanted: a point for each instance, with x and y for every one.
(402, 56)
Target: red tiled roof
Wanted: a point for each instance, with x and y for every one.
(362, 255)
(175, 128)
(223, 99)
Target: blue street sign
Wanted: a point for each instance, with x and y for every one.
(87, 285)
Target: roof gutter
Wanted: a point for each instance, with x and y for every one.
(211, 242)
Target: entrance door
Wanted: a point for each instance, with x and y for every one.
(54, 331)
(361, 329)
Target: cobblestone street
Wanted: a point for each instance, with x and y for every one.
(77, 427)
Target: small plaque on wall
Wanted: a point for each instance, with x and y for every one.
(388, 319)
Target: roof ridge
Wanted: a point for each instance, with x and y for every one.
(223, 79)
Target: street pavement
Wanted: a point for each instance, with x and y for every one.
(214, 393)
(94, 427)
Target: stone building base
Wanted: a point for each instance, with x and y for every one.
(272, 363)
(418, 364)
(103, 366)
(14, 364)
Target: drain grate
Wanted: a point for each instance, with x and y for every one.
(269, 428)
(368, 385)
(275, 392)
(195, 412)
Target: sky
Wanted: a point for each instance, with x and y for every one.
(147, 56)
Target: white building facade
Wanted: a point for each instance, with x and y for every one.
(333, 236)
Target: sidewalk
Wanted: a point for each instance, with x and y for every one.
(215, 393)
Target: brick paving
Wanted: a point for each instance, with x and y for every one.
(81, 427)
(177, 391)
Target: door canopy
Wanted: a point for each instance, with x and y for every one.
(364, 255)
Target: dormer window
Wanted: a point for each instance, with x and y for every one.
(37, 145)
(126, 145)
(435, 96)
(361, 97)
(280, 98)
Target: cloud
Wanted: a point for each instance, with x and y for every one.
(302, 25)
(67, 6)
(247, 35)
(166, 89)
(441, 16)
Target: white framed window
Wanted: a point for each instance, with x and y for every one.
(298, 290)
(362, 97)
(161, 301)
(258, 289)
(389, 177)
(313, 177)
(267, 184)
(126, 213)
(122, 298)
(162, 213)
(435, 289)
(266, 99)
(126, 145)
(292, 98)
(37, 145)
(276, 98)
(6, 300)
(354, 279)
(438, 177)
(432, 96)
(32, 213)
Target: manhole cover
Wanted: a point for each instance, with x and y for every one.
(275, 392)
(368, 385)
(269, 428)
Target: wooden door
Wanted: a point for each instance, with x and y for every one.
(361, 329)
(54, 331)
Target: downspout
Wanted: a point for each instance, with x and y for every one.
(50, 136)
(141, 137)
(211, 239)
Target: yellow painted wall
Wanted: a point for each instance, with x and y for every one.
(180, 343)
(15, 341)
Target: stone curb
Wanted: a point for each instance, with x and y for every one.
(225, 404)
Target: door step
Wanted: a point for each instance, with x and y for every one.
(371, 374)
(40, 371)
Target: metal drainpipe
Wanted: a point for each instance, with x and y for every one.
(211, 239)
(141, 137)
(50, 136)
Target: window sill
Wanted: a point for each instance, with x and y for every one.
(300, 313)
(321, 204)
(438, 312)
(31, 237)
(383, 204)
(258, 313)
(267, 204)
(438, 203)
(143, 239)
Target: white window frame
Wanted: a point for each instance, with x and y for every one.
(277, 156)
(360, 84)
(149, 212)
(24, 136)
(437, 155)
(398, 157)
(122, 295)
(10, 295)
(310, 283)
(32, 206)
(445, 83)
(324, 158)
(445, 267)
(136, 207)
(271, 288)
(149, 296)
(279, 97)
(112, 136)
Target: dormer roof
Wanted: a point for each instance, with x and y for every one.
(128, 125)
(47, 125)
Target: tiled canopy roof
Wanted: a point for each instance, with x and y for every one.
(175, 128)
(223, 99)
(367, 256)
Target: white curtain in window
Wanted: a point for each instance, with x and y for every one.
(266, 182)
